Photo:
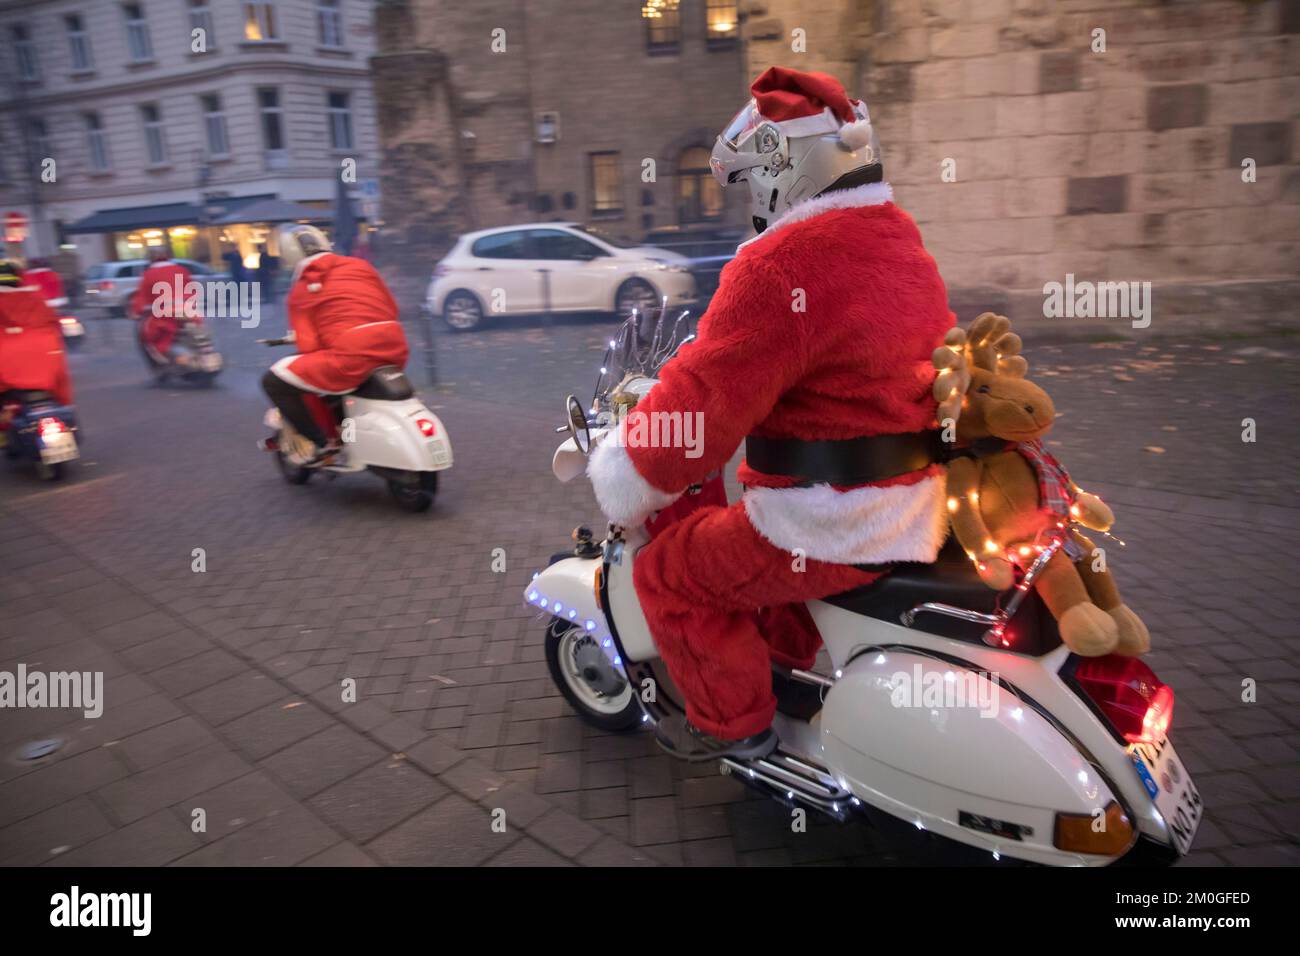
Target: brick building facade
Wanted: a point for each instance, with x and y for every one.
(509, 111)
(1114, 163)
(1121, 165)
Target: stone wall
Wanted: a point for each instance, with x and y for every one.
(1117, 165)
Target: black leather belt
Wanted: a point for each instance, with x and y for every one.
(852, 461)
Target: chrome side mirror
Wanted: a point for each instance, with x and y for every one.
(577, 419)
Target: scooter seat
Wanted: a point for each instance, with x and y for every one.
(386, 384)
(953, 580)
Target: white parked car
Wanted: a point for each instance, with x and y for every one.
(552, 267)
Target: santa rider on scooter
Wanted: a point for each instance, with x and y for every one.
(816, 352)
(344, 322)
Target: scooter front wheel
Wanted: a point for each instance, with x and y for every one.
(588, 680)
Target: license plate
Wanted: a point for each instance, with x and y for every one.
(440, 456)
(60, 448)
(210, 362)
(1169, 783)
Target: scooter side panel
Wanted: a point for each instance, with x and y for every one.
(927, 741)
(633, 630)
(385, 435)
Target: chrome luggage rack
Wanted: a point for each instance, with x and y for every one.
(994, 636)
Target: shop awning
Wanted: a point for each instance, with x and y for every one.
(273, 210)
(165, 215)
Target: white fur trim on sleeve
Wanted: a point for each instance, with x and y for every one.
(624, 496)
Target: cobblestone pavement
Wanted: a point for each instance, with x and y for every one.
(222, 687)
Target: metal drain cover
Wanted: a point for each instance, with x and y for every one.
(40, 748)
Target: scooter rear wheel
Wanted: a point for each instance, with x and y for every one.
(587, 679)
(415, 496)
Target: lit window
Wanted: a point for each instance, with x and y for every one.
(663, 20)
(606, 184)
(722, 22)
(259, 21)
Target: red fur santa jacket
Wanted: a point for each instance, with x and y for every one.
(822, 328)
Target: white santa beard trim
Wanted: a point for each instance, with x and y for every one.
(624, 496)
(302, 264)
(860, 526)
(872, 194)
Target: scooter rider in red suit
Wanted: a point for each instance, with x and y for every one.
(48, 281)
(159, 303)
(31, 344)
(816, 353)
(345, 324)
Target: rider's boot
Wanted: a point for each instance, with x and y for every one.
(682, 739)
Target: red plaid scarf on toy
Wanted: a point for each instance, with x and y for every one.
(1054, 488)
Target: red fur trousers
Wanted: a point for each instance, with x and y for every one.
(722, 603)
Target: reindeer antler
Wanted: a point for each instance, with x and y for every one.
(994, 347)
(953, 379)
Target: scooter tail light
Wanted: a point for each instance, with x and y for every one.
(427, 428)
(1108, 835)
(52, 426)
(1137, 703)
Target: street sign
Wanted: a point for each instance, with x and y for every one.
(15, 227)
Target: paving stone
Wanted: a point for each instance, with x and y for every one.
(452, 832)
(42, 837)
(321, 760)
(563, 832)
(166, 783)
(377, 798)
(155, 840)
(283, 838)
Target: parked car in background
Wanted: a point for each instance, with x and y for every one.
(109, 285)
(552, 267)
(708, 249)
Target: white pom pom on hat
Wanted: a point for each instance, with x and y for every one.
(857, 134)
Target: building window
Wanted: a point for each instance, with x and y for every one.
(259, 21)
(214, 124)
(268, 102)
(722, 21)
(39, 135)
(137, 33)
(329, 23)
(663, 25)
(201, 19)
(699, 197)
(97, 143)
(78, 44)
(24, 53)
(606, 184)
(154, 143)
(340, 115)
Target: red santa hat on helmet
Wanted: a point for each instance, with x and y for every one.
(804, 103)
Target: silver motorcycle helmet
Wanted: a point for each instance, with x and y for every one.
(786, 163)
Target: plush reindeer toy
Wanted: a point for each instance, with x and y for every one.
(1007, 495)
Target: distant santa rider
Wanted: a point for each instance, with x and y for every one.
(816, 353)
(31, 344)
(344, 322)
(161, 302)
(39, 274)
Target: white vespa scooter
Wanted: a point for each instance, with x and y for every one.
(385, 429)
(948, 714)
